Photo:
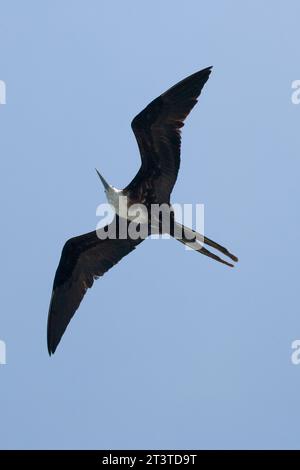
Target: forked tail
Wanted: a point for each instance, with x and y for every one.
(196, 241)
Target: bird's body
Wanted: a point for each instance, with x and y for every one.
(89, 256)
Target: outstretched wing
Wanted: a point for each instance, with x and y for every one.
(157, 131)
(83, 259)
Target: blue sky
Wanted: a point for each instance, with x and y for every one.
(169, 349)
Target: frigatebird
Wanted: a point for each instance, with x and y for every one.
(87, 257)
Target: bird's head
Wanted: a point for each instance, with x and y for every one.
(107, 187)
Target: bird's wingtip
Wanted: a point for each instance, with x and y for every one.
(205, 71)
(52, 344)
(50, 349)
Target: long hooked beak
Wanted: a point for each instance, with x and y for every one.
(105, 184)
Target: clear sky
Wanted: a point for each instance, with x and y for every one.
(169, 349)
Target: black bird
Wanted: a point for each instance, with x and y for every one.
(89, 256)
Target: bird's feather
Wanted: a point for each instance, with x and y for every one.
(157, 131)
(83, 259)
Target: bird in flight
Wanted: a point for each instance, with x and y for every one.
(87, 257)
